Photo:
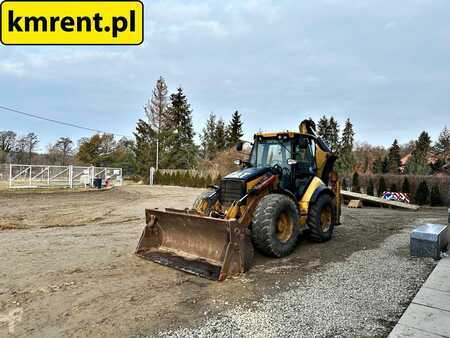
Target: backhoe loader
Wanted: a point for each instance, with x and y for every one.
(286, 188)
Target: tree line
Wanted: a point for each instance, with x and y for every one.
(419, 157)
(168, 126)
(419, 192)
(22, 149)
(98, 150)
(166, 129)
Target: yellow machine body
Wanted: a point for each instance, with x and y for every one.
(213, 239)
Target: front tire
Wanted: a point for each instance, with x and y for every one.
(322, 218)
(205, 197)
(275, 226)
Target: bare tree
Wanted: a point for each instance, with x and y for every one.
(64, 146)
(156, 107)
(7, 141)
(20, 149)
(52, 154)
(156, 110)
(31, 142)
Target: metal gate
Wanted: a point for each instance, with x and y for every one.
(48, 176)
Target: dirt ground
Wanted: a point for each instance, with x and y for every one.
(67, 263)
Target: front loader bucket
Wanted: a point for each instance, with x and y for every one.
(209, 247)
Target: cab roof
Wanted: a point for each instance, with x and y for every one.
(289, 134)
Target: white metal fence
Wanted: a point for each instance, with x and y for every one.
(47, 176)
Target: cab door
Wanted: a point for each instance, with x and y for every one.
(305, 169)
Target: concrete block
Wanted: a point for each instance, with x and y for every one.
(427, 319)
(429, 240)
(402, 331)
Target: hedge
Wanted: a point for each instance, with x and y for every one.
(185, 179)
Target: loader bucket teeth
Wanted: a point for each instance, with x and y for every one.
(204, 246)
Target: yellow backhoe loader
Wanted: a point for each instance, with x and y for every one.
(286, 188)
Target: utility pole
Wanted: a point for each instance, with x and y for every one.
(157, 148)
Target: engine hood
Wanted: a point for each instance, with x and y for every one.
(247, 174)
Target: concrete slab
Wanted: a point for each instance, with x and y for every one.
(427, 319)
(439, 279)
(433, 298)
(401, 331)
(428, 315)
(444, 263)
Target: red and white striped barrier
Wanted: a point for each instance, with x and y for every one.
(396, 196)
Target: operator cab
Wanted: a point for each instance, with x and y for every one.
(293, 158)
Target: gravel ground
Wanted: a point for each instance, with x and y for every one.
(71, 268)
(348, 299)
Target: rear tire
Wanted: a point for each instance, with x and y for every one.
(275, 226)
(322, 218)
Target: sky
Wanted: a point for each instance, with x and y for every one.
(383, 64)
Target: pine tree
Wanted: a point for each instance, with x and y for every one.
(208, 137)
(234, 131)
(394, 158)
(323, 128)
(145, 148)
(417, 164)
(328, 131)
(381, 186)
(355, 183)
(405, 186)
(182, 152)
(346, 159)
(334, 135)
(422, 193)
(377, 165)
(220, 135)
(366, 164)
(435, 196)
(442, 146)
(385, 169)
(370, 187)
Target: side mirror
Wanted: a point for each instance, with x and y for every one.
(291, 161)
(237, 162)
(239, 146)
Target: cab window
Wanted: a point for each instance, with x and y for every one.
(304, 155)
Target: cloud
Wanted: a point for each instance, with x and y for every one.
(10, 67)
(390, 25)
(275, 61)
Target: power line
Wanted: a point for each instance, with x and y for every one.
(58, 122)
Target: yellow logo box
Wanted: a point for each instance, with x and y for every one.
(72, 22)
